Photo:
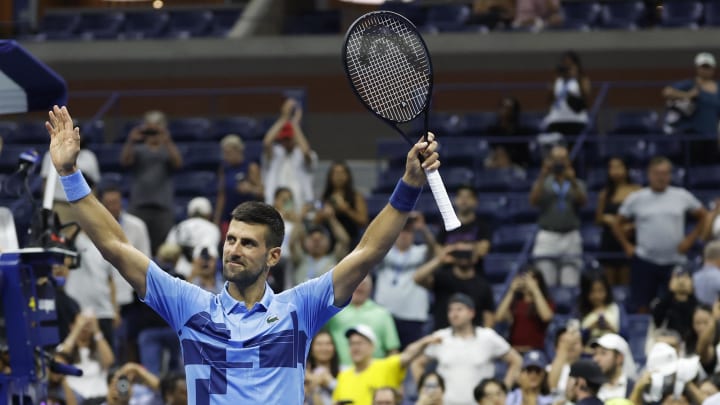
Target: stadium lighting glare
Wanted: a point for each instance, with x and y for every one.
(157, 4)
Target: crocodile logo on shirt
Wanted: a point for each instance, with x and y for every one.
(272, 319)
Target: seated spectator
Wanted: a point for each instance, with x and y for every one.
(173, 389)
(508, 155)
(196, 230)
(490, 391)
(616, 190)
(612, 354)
(598, 311)
(431, 388)
(537, 14)
(529, 309)
(322, 368)
(559, 195)
(238, 180)
(707, 279)
(465, 353)
(450, 272)
(152, 157)
(675, 310)
(58, 390)
(669, 336)
(570, 96)
(282, 275)
(532, 387)
(568, 348)
(311, 250)
(386, 396)
(363, 310)
(658, 212)
(367, 374)
(132, 384)
(396, 290)
(348, 204)
(493, 13)
(584, 382)
(205, 273)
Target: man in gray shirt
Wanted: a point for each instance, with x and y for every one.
(707, 280)
(559, 195)
(658, 212)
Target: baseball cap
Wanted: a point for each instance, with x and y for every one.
(663, 359)
(286, 132)
(211, 251)
(534, 358)
(199, 206)
(589, 370)
(681, 270)
(613, 341)
(461, 298)
(362, 330)
(704, 58)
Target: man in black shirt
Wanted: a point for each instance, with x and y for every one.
(675, 311)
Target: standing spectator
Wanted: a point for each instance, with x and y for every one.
(570, 95)
(612, 354)
(363, 310)
(711, 230)
(559, 195)
(466, 353)
(205, 272)
(537, 14)
(431, 389)
(311, 252)
(492, 13)
(238, 180)
(152, 157)
(532, 387)
(490, 391)
(568, 348)
(323, 367)
(616, 190)
(529, 309)
(367, 374)
(586, 377)
(675, 310)
(396, 290)
(658, 212)
(707, 279)
(452, 271)
(173, 389)
(472, 229)
(287, 158)
(506, 155)
(348, 204)
(196, 230)
(598, 311)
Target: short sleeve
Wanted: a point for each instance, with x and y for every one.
(395, 372)
(627, 209)
(691, 202)
(497, 346)
(316, 299)
(175, 300)
(432, 350)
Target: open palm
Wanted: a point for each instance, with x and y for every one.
(64, 140)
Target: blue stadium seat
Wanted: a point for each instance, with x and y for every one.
(681, 13)
(119, 180)
(621, 14)
(181, 208)
(188, 129)
(590, 238)
(253, 151)
(319, 22)
(636, 122)
(519, 208)
(448, 17)
(558, 322)
(620, 294)
(587, 211)
(32, 132)
(532, 120)
(8, 129)
(195, 184)
(462, 151)
(704, 177)
(670, 148)
(454, 177)
(189, 23)
(59, 26)
(387, 179)
(223, 21)
(103, 25)
(10, 153)
(477, 123)
(245, 127)
(411, 11)
(492, 206)
(144, 24)
(200, 155)
(637, 327)
(634, 152)
(108, 155)
(93, 132)
(500, 180)
(580, 15)
(596, 178)
(498, 266)
(565, 299)
(393, 150)
(511, 238)
(445, 124)
(498, 290)
(375, 203)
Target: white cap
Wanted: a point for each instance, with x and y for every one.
(364, 331)
(663, 359)
(704, 58)
(211, 250)
(199, 206)
(613, 341)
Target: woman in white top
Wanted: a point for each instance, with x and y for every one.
(322, 369)
(598, 312)
(570, 95)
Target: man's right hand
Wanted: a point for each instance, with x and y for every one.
(64, 140)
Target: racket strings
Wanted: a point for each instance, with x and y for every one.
(389, 67)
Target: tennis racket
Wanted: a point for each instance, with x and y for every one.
(389, 69)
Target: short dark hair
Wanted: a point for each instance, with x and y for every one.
(479, 391)
(396, 394)
(169, 382)
(468, 187)
(259, 213)
(108, 188)
(282, 190)
(427, 374)
(658, 160)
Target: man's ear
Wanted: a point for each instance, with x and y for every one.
(273, 256)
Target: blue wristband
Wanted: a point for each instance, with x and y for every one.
(75, 186)
(405, 196)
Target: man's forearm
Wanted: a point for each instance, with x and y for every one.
(617, 230)
(175, 156)
(425, 272)
(413, 350)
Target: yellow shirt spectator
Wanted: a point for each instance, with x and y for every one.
(359, 386)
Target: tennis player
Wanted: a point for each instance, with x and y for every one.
(245, 345)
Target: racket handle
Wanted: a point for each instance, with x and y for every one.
(450, 220)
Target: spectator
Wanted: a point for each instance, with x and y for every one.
(58, 390)
(490, 391)
(702, 325)
(363, 310)
(205, 272)
(612, 354)
(465, 353)
(493, 13)
(568, 348)
(348, 204)
(238, 180)
(570, 96)
(559, 195)
(90, 352)
(651, 387)
(598, 311)
(396, 290)
(472, 229)
(537, 14)
(707, 279)
(451, 272)
(669, 336)
(196, 230)
(312, 254)
(532, 388)
(658, 212)
(616, 190)
(152, 157)
(358, 382)
(323, 367)
(66, 307)
(709, 386)
(173, 389)
(288, 160)
(386, 396)
(529, 309)
(132, 384)
(711, 230)
(584, 383)
(675, 310)
(507, 155)
(431, 387)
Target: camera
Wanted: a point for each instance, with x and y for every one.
(123, 386)
(149, 131)
(462, 254)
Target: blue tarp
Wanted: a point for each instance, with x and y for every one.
(26, 84)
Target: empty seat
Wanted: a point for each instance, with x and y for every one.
(114, 179)
(621, 14)
(394, 150)
(498, 267)
(195, 184)
(189, 23)
(620, 294)
(200, 155)
(669, 147)
(445, 124)
(375, 203)
(245, 127)
(519, 208)
(637, 122)
(591, 236)
(32, 132)
(59, 26)
(188, 129)
(108, 155)
(223, 21)
(463, 151)
(532, 120)
(144, 24)
(8, 129)
(705, 177)
(454, 177)
(103, 25)
(9, 155)
(580, 15)
(511, 238)
(565, 299)
(636, 331)
(596, 178)
(499, 180)
(448, 17)
(318, 22)
(491, 206)
(387, 180)
(477, 123)
(633, 151)
(681, 13)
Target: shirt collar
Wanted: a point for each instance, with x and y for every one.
(231, 305)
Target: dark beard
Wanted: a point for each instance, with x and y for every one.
(246, 278)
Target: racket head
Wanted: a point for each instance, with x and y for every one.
(388, 66)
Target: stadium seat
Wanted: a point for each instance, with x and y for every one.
(596, 178)
(104, 25)
(580, 15)
(8, 131)
(633, 151)
(500, 180)
(200, 155)
(9, 155)
(189, 23)
(477, 123)
(188, 129)
(144, 24)
(587, 211)
(108, 155)
(223, 21)
(446, 124)
(620, 294)
(565, 299)
(196, 184)
(387, 179)
(93, 132)
(245, 127)
(519, 208)
(558, 322)
(412, 11)
(532, 120)
(32, 132)
(375, 203)
(447, 17)
(319, 22)
(511, 238)
(492, 206)
(454, 177)
(622, 14)
(59, 26)
(636, 122)
(498, 266)
(704, 177)
(637, 328)
(393, 150)
(681, 13)
(590, 238)
(119, 180)
(462, 151)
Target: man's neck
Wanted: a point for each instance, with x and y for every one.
(358, 304)
(251, 295)
(681, 297)
(616, 377)
(362, 365)
(464, 330)
(466, 217)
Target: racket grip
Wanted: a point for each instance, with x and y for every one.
(450, 220)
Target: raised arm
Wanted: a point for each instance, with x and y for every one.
(416, 348)
(94, 219)
(385, 228)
